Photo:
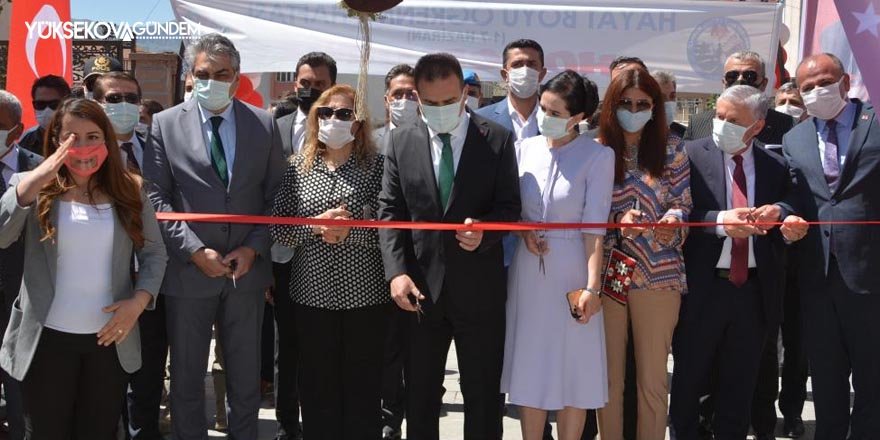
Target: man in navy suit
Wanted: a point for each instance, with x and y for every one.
(834, 157)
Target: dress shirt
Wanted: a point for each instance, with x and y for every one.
(227, 134)
(457, 140)
(523, 129)
(748, 164)
(299, 131)
(138, 149)
(844, 128)
(11, 163)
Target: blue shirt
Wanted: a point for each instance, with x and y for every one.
(844, 128)
(227, 134)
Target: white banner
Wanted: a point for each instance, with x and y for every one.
(691, 38)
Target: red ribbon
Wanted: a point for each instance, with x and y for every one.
(478, 226)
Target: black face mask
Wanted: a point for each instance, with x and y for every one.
(307, 97)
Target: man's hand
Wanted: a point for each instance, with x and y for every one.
(767, 214)
(738, 223)
(402, 286)
(468, 239)
(666, 235)
(794, 228)
(210, 262)
(243, 257)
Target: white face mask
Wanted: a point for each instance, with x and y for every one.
(671, 108)
(788, 109)
(824, 102)
(123, 116)
(44, 116)
(633, 122)
(142, 128)
(187, 95)
(403, 111)
(213, 95)
(728, 136)
(551, 126)
(334, 133)
(472, 102)
(4, 137)
(442, 118)
(523, 82)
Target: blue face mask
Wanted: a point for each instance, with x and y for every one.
(213, 95)
(633, 122)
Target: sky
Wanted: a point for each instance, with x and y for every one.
(121, 10)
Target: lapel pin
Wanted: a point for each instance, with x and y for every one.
(865, 116)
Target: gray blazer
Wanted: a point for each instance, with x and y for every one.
(180, 178)
(286, 125)
(30, 310)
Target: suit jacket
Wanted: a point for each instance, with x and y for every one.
(498, 113)
(181, 179)
(381, 138)
(37, 292)
(703, 246)
(32, 139)
(486, 187)
(857, 197)
(12, 257)
(286, 124)
(776, 125)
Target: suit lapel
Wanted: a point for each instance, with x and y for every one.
(716, 176)
(243, 122)
(426, 167)
(807, 153)
(196, 148)
(51, 246)
(467, 163)
(762, 172)
(861, 125)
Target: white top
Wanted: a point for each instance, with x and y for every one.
(82, 281)
(136, 147)
(749, 170)
(523, 129)
(11, 163)
(299, 131)
(227, 134)
(457, 138)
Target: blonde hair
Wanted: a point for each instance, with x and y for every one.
(363, 149)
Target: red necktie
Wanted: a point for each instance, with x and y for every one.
(739, 252)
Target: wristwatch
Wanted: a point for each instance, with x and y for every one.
(594, 291)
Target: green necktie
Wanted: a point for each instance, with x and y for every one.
(218, 156)
(447, 170)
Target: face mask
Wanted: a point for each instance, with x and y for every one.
(93, 155)
(44, 116)
(187, 95)
(123, 116)
(307, 97)
(633, 122)
(4, 138)
(403, 111)
(472, 102)
(523, 82)
(788, 109)
(334, 133)
(728, 136)
(213, 95)
(671, 108)
(552, 127)
(824, 102)
(443, 118)
(142, 128)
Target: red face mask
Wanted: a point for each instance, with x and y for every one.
(95, 154)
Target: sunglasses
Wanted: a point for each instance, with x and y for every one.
(635, 106)
(750, 77)
(116, 98)
(41, 105)
(342, 114)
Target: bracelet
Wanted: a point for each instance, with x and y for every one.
(593, 291)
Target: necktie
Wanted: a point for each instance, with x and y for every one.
(218, 156)
(132, 162)
(739, 251)
(831, 162)
(447, 169)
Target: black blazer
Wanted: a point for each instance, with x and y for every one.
(857, 197)
(776, 125)
(486, 188)
(12, 258)
(703, 246)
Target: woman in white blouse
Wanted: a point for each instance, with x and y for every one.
(73, 337)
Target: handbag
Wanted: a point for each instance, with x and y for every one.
(618, 274)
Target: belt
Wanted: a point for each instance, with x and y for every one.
(725, 273)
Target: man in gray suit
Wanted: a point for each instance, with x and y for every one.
(214, 154)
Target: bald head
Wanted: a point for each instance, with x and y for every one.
(821, 70)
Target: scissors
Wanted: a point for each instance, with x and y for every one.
(414, 300)
(233, 265)
(541, 267)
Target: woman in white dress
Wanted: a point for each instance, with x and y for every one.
(552, 360)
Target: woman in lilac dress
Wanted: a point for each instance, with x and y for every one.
(553, 361)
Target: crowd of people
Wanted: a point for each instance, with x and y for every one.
(579, 322)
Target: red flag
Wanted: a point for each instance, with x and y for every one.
(35, 50)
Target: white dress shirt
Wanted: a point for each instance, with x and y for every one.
(227, 134)
(523, 129)
(299, 131)
(844, 128)
(748, 164)
(137, 148)
(457, 138)
(11, 163)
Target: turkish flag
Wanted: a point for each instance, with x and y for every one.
(861, 22)
(32, 56)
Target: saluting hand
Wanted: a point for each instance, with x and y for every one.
(32, 182)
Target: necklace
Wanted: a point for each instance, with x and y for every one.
(631, 156)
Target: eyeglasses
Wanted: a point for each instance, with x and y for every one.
(342, 114)
(116, 98)
(41, 105)
(750, 77)
(637, 106)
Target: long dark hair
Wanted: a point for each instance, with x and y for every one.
(113, 179)
(652, 146)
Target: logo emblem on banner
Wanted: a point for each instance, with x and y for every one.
(712, 41)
